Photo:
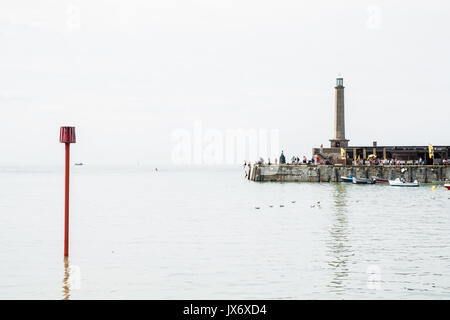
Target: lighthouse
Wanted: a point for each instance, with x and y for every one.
(339, 140)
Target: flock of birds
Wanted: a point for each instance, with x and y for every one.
(316, 205)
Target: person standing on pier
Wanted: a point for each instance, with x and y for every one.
(282, 158)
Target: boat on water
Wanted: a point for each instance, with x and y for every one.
(380, 180)
(79, 164)
(362, 181)
(447, 186)
(347, 179)
(402, 183)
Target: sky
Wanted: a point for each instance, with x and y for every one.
(165, 82)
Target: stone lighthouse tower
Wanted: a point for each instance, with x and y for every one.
(339, 140)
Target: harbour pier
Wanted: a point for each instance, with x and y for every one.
(426, 164)
(333, 173)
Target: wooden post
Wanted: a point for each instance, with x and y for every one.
(66, 136)
(384, 153)
(66, 202)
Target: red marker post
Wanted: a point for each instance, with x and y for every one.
(67, 136)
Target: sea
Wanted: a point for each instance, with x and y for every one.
(209, 233)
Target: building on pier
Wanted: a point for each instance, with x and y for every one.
(340, 152)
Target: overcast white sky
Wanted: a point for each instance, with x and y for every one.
(129, 73)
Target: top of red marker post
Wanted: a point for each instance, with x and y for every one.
(67, 135)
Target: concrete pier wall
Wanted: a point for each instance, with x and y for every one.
(330, 173)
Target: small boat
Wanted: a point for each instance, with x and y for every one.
(380, 180)
(363, 181)
(79, 164)
(347, 179)
(447, 186)
(402, 183)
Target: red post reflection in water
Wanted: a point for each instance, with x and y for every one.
(66, 280)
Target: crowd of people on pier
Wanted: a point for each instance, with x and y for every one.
(396, 162)
(316, 160)
(295, 160)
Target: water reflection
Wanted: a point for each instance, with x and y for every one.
(338, 246)
(66, 280)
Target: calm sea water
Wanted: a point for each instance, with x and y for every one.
(196, 234)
